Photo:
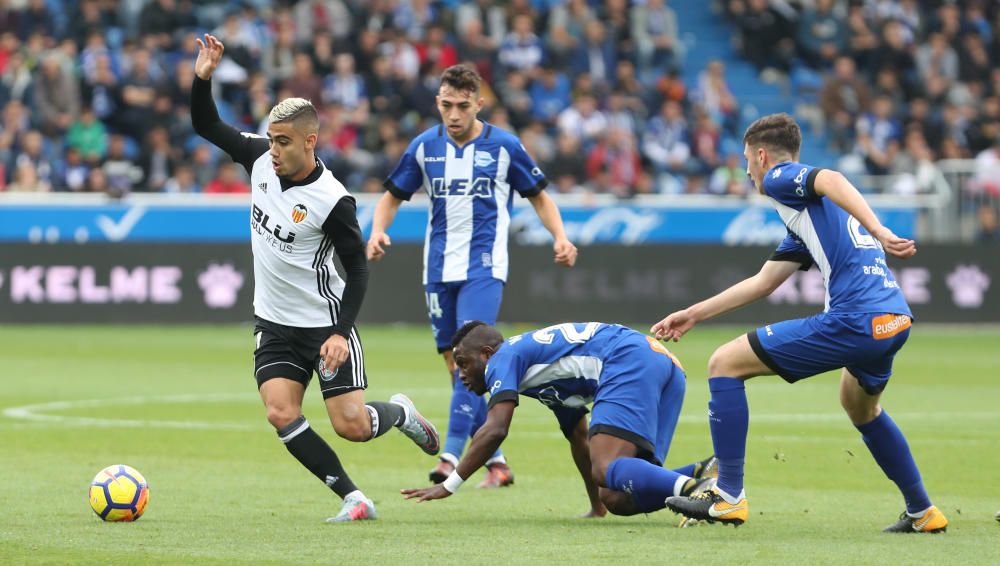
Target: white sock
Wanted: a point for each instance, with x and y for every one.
(679, 484)
(356, 494)
(918, 514)
(497, 460)
(729, 498)
(450, 458)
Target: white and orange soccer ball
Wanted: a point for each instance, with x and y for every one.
(119, 493)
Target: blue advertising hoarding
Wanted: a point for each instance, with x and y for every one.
(729, 223)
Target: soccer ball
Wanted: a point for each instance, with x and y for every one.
(119, 493)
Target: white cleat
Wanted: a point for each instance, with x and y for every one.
(355, 509)
(420, 430)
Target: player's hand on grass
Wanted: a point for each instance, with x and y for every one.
(565, 252)
(894, 245)
(209, 55)
(426, 493)
(674, 326)
(334, 352)
(376, 246)
(595, 513)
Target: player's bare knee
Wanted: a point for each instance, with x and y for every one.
(717, 364)
(282, 416)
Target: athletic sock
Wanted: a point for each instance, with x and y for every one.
(648, 484)
(461, 417)
(892, 453)
(384, 416)
(729, 420)
(316, 455)
(687, 470)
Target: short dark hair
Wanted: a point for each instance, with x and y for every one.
(478, 334)
(462, 78)
(778, 132)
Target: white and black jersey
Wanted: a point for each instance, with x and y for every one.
(296, 228)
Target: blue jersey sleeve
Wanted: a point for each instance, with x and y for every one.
(793, 249)
(791, 184)
(407, 177)
(503, 375)
(524, 175)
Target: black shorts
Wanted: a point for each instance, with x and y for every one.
(293, 353)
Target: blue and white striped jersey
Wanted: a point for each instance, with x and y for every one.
(470, 191)
(851, 260)
(560, 365)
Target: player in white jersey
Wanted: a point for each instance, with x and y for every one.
(305, 313)
(866, 321)
(469, 169)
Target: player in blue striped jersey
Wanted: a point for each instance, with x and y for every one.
(636, 387)
(470, 170)
(865, 322)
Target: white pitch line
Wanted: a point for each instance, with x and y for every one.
(35, 413)
(38, 413)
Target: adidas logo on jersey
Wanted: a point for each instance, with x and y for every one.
(262, 187)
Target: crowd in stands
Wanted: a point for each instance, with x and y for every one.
(94, 93)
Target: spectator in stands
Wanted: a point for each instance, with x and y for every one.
(26, 180)
(583, 119)
(521, 49)
(97, 182)
(567, 25)
(33, 150)
(878, 136)
(937, 58)
(88, 136)
(986, 179)
(120, 170)
(516, 99)
(321, 16)
(36, 19)
(987, 224)
(56, 96)
(437, 49)
(666, 142)
(550, 95)
(765, 36)
(913, 168)
(822, 35)
(347, 89)
(714, 96)
(566, 170)
(974, 65)
(227, 181)
(654, 31)
(706, 143)
(730, 178)
(615, 166)
(278, 58)
(72, 174)
(139, 89)
(476, 47)
(894, 53)
(158, 161)
(843, 97)
(303, 82)
(182, 181)
(596, 56)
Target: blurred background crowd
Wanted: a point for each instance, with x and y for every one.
(94, 93)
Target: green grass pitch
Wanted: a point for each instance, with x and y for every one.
(179, 404)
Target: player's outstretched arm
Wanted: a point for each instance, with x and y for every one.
(769, 278)
(385, 213)
(548, 213)
(243, 148)
(209, 55)
(487, 439)
(837, 188)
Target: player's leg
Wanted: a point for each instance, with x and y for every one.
(282, 377)
(634, 416)
(441, 302)
(891, 451)
(357, 421)
(479, 299)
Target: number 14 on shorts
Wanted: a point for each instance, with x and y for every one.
(434, 305)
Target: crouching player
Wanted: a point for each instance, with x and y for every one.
(636, 387)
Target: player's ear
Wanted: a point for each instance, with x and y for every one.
(311, 140)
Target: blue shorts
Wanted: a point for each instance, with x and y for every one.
(450, 305)
(863, 343)
(639, 396)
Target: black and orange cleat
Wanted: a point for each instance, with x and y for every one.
(931, 521)
(710, 506)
